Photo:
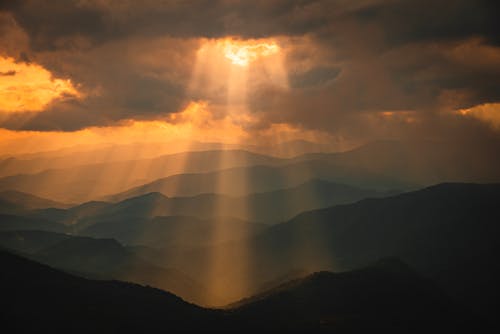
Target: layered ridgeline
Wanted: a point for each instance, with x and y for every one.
(447, 233)
(102, 259)
(91, 181)
(380, 165)
(79, 155)
(17, 201)
(385, 297)
(269, 207)
(32, 163)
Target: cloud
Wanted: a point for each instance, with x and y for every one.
(29, 87)
(347, 65)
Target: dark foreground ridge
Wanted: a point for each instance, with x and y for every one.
(387, 296)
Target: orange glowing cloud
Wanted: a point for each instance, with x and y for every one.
(30, 87)
(488, 112)
(197, 122)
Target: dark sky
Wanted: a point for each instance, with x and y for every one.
(364, 70)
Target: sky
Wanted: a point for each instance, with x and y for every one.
(337, 72)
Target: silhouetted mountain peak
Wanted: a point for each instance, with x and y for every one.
(153, 196)
(90, 204)
(28, 201)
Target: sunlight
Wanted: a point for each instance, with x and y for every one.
(244, 52)
(227, 86)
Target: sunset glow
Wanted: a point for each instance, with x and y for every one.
(315, 166)
(488, 113)
(30, 87)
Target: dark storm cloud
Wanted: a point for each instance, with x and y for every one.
(50, 22)
(364, 57)
(425, 20)
(314, 77)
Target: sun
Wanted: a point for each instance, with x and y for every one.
(242, 53)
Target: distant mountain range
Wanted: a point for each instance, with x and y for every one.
(173, 231)
(12, 201)
(256, 179)
(79, 155)
(379, 165)
(91, 181)
(13, 222)
(270, 207)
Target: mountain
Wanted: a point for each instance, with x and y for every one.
(381, 297)
(12, 201)
(37, 298)
(291, 148)
(29, 242)
(419, 162)
(382, 165)
(15, 223)
(282, 204)
(88, 182)
(255, 179)
(85, 255)
(80, 155)
(169, 231)
(102, 259)
(268, 207)
(447, 232)
(388, 299)
(70, 216)
(108, 259)
(378, 165)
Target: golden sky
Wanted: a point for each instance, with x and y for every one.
(313, 70)
(30, 87)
